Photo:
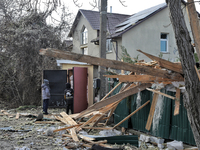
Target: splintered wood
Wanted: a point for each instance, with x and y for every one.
(142, 76)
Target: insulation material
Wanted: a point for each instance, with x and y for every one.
(138, 100)
(158, 113)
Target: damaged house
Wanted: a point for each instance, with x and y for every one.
(151, 96)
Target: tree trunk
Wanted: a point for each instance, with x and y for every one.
(186, 52)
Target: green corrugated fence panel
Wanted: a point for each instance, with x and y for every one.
(122, 109)
(139, 119)
(180, 126)
(168, 126)
(161, 122)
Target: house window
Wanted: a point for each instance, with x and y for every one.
(164, 42)
(108, 45)
(85, 51)
(84, 36)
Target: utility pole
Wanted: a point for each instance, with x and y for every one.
(102, 45)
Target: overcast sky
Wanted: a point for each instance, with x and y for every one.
(133, 6)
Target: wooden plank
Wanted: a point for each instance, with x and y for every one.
(119, 96)
(17, 116)
(152, 110)
(61, 119)
(111, 91)
(47, 122)
(97, 121)
(86, 138)
(67, 127)
(74, 135)
(197, 72)
(109, 63)
(89, 121)
(177, 102)
(68, 118)
(158, 92)
(98, 128)
(164, 63)
(131, 114)
(140, 78)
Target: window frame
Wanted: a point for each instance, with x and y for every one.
(109, 46)
(84, 50)
(84, 36)
(166, 41)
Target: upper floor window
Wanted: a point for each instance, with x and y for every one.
(85, 51)
(84, 36)
(108, 45)
(164, 42)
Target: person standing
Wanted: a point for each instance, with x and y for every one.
(69, 97)
(45, 95)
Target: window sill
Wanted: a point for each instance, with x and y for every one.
(84, 46)
(165, 52)
(108, 52)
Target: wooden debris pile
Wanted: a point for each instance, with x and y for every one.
(142, 77)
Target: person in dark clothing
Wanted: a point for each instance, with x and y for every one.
(45, 95)
(69, 97)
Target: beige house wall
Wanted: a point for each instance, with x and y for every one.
(90, 78)
(93, 50)
(146, 37)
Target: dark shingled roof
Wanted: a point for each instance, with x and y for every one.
(93, 17)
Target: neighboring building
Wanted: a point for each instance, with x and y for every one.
(149, 30)
(86, 29)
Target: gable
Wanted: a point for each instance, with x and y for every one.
(93, 17)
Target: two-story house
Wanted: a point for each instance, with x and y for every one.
(149, 30)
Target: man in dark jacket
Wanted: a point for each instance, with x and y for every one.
(45, 95)
(69, 97)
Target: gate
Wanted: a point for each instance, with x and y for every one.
(57, 82)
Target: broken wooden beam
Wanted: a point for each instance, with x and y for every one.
(65, 128)
(111, 91)
(177, 102)
(109, 63)
(164, 63)
(116, 97)
(140, 78)
(152, 110)
(158, 92)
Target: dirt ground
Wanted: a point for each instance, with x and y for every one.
(25, 134)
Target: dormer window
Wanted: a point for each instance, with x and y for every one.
(84, 36)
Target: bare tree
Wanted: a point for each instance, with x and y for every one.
(186, 52)
(24, 30)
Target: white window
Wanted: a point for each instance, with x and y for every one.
(164, 42)
(85, 51)
(84, 36)
(108, 45)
